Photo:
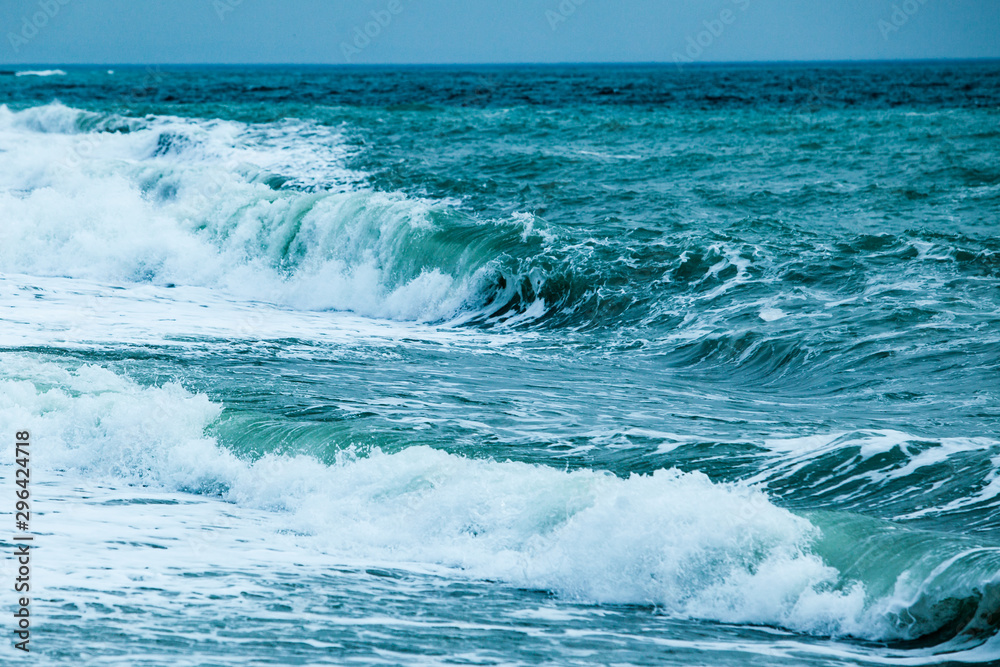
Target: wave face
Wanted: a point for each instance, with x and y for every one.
(231, 205)
(565, 365)
(671, 539)
(259, 211)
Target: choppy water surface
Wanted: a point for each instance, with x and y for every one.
(551, 365)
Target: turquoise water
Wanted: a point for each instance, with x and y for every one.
(570, 365)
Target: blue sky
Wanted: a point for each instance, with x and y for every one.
(492, 31)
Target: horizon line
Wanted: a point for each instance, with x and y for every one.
(706, 63)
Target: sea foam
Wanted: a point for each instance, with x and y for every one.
(691, 547)
(264, 212)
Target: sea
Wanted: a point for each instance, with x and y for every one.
(502, 365)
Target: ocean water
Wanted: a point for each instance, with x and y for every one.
(552, 365)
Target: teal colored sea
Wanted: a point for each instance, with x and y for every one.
(562, 365)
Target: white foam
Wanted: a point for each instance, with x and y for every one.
(799, 451)
(771, 314)
(79, 314)
(188, 202)
(673, 539)
(676, 540)
(42, 72)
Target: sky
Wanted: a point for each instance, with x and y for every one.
(53, 32)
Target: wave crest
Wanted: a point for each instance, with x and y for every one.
(675, 540)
